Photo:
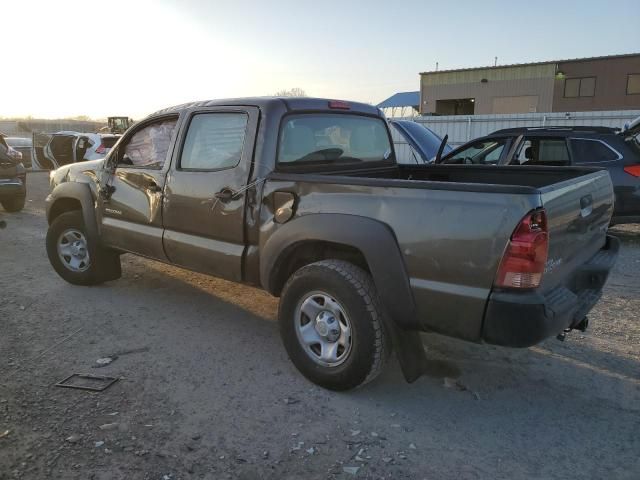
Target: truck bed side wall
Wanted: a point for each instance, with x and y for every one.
(451, 241)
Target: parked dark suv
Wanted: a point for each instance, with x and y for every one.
(617, 151)
(13, 178)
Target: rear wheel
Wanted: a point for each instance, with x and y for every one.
(331, 325)
(72, 255)
(14, 204)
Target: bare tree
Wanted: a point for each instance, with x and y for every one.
(294, 92)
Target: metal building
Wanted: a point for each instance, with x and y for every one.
(585, 84)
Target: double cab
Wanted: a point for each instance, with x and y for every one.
(303, 198)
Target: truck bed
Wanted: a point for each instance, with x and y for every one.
(452, 223)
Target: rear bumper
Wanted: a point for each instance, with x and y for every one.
(517, 319)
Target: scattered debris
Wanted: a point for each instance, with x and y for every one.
(5, 433)
(291, 401)
(311, 451)
(73, 438)
(265, 454)
(355, 432)
(196, 437)
(374, 434)
(108, 426)
(453, 383)
(387, 459)
(297, 447)
(99, 443)
(104, 361)
(412, 446)
(351, 470)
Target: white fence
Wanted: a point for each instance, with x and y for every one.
(462, 128)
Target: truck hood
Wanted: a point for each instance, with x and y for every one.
(76, 172)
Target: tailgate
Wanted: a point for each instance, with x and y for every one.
(578, 215)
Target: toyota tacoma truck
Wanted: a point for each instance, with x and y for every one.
(304, 198)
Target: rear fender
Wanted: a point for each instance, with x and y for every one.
(377, 242)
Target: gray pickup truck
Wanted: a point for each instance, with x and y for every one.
(303, 198)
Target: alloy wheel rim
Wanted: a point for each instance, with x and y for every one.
(73, 250)
(323, 329)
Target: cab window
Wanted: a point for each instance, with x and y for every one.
(214, 141)
(333, 139)
(148, 147)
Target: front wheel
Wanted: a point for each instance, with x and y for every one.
(331, 325)
(73, 257)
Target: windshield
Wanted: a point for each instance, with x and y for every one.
(319, 139)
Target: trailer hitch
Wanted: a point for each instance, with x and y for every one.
(581, 325)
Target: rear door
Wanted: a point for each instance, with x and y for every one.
(204, 199)
(131, 211)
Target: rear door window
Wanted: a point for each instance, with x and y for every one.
(214, 141)
(333, 139)
(586, 150)
(542, 151)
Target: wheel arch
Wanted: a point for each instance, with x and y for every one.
(73, 196)
(365, 242)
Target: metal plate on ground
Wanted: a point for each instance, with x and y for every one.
(92, 383)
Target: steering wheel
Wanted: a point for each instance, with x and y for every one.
(468, 161)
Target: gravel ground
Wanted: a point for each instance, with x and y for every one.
(206, 389)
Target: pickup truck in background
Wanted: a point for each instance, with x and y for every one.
(304, 198)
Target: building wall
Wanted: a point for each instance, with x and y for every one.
(611, 84)
(504, 91)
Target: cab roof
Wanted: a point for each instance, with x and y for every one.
(291, 104)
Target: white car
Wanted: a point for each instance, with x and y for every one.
(52, 150)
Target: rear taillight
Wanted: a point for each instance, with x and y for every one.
(101, 149)
(633, 170)
(525, 257)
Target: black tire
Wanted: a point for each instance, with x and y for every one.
(354, 290)
(102, 263)
(14, 204)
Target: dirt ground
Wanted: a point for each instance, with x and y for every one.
(206, 390)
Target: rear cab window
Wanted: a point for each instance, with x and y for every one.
(333, 140)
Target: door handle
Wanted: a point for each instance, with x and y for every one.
(226, 195)
(154, 187)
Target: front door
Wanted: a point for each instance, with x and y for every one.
(204, 198)
(131, 206)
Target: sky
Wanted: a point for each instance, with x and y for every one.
(97, 58)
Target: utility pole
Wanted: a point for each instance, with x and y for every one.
(495, 61)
